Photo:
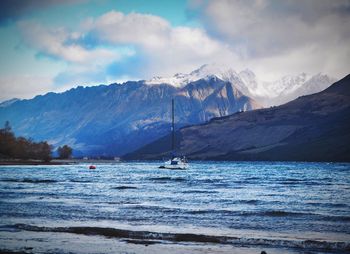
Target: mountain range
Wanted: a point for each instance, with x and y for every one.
(266, 93)
(114, 119)
(120, 118)
(311, 128)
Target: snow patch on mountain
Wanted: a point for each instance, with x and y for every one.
(268, 93)
(181, 79)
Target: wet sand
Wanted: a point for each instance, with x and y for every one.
(82, 244)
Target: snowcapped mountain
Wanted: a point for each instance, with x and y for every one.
(313, 84)
(204, 72)
(286, 84)
(266, 93)
(119, 118)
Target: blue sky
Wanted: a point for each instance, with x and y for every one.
(55, 45)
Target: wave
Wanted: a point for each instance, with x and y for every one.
(142, 242)
(27, 180)
(336, 218)
(80, 181)
(279, 213)
(271, 213)
(199, 191)
(308, 182)
(123, 187)
(252, 178)
(121, 202)
(155, 237)
(206, 211)
(248, 213)
(211, 180)
(167, 179)
(336, 205)
(235, 213)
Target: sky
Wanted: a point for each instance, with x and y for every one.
(56, 45)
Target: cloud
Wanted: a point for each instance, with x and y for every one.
(262, 31)
(116, 45)
(85, 65)
(166, 49)
(268, 27)
(59, 43)
(25, 86)
(117, 28)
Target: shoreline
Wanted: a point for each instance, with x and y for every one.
(96, 161)
(14, 162)
(29, 162)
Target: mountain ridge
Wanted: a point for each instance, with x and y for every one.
(111, 120)
(310, 128)
(268, 94)
(118, 118)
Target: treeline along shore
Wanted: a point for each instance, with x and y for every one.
(12, 147)
(23, 151)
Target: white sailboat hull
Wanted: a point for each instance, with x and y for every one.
(175, 163)
(182, 167)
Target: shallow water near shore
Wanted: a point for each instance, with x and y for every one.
(214, 207)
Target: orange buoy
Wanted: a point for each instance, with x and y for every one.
(92, 167)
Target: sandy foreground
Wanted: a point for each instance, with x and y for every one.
(27, 242)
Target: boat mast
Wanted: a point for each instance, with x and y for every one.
(173, 126)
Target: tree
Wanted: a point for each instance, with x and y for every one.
(22, 148)
(7, 140)
(7, 127)
(64, 152)
(44, 151)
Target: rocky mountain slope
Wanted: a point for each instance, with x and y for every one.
(310, 128)
(115, 119)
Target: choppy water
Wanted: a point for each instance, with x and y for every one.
(212, 207)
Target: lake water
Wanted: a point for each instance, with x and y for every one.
(214, 207)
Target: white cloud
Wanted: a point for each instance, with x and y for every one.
(162, 48)
(267, 26)
(141, 29)
(167, 49)
(280, 37)
(24, 86)
(85, 66)
(59, 43)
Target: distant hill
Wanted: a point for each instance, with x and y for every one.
(311, 128)
(115, 119)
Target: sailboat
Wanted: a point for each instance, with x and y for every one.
(176, 162)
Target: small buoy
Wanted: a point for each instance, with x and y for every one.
(92, 167)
